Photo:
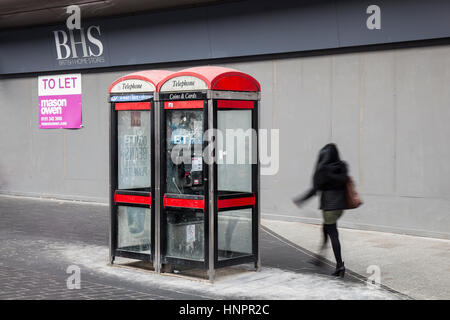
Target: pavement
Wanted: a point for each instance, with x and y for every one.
(416, 266)
(41, 240)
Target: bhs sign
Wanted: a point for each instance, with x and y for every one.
(79, 46)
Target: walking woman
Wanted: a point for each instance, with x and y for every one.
(330, 179)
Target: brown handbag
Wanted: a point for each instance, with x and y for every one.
(353, 198)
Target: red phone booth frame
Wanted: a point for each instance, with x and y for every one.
(211, 89)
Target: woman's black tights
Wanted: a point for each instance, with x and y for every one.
(330, 230)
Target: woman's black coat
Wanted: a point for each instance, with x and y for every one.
(330, 178)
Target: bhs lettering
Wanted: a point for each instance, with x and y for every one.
(88, 44)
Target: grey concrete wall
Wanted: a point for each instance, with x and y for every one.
(55, 162)
(388, 111)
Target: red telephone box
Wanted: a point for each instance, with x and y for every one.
(184, 174)
(132, 165)
(209, 200)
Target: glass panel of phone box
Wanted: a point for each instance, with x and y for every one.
(184, 167)
(134, 173)
(234, 166)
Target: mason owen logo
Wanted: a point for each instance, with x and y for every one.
(77, 45)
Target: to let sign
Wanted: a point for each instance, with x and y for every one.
(60, 101)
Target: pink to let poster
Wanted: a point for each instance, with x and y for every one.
(60, 101)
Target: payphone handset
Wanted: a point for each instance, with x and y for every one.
(189, 173)
(185, 151)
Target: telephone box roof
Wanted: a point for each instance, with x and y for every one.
(151, 76)
(218, 78)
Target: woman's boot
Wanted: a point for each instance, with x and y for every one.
(340, 271)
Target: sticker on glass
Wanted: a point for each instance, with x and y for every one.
(197, 164)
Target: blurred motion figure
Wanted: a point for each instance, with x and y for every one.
(330, 179)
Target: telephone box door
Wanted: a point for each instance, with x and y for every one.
(184, 187)
(132, 179)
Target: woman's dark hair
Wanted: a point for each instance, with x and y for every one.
(328, 154)
(328, 157)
